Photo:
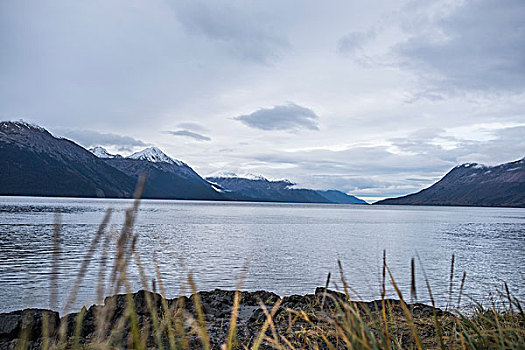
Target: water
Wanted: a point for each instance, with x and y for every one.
(288, 248)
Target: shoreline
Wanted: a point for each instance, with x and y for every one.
(217, 305)
(376, 204)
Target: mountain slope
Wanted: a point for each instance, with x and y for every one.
(166, 177)
(34, 162)
(340, 197)
(473, 184)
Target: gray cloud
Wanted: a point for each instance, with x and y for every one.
(189, 134)
(192, 126)
(246, 30)
(89, 138)
(284, 117)
(512, 134)
(477, 46)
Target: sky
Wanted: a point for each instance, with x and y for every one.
(377, 99)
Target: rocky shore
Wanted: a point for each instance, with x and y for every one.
(296, 317)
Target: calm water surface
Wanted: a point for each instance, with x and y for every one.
(289, 248)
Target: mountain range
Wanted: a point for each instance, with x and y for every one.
(258, 188)
(473, 184)
(35, 163)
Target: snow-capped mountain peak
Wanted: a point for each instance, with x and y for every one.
(155, 155)
(101, 152)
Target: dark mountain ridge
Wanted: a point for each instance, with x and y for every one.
(473, 184)
(35, 163)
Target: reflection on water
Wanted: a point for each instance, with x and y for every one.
(290, 247)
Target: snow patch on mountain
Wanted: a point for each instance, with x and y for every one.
(473, 166)
(231, 175)
(101, 152)
(155, 155)
(489, 168)
(20, 124)
(246, 176)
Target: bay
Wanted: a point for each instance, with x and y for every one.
(287, 248)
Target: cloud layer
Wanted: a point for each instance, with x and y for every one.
(90, 138)
(479, 45)
(389, 94)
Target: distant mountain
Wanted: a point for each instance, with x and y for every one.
(340, 197)
(34, 162)
(166, 177)
(473, 184)
(257, 188)
(263, 190)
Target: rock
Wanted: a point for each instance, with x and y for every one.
(217, 306)
(253, 298)
(320, 292)
(10, 324)
(27, 323)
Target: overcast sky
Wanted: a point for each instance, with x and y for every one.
(375, 98)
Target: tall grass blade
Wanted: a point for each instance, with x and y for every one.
(509, 298)
(235, 310)
(165, 308)
(461, 288)
(451, 281)
(383, 304)
(267, 322)
(85, 262)
(413, 292)
(325, 290)
(406, 311)
(345, 285)
(203, 329)
(53, 285)
(437, 324)
(149, 303)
